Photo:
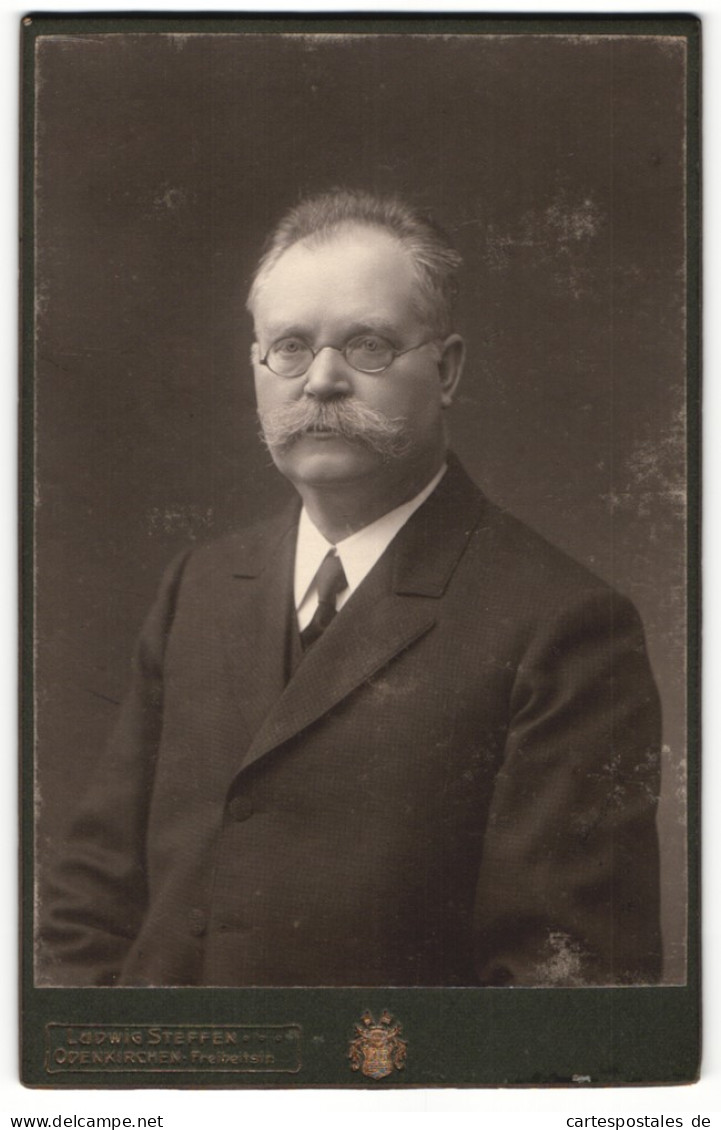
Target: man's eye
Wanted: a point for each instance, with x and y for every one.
(369, 343)
(288, 346)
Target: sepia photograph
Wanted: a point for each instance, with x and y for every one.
(360, 404)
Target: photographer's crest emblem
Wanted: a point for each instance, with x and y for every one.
(377, 1047)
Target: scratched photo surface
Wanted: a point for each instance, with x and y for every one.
(557, 167)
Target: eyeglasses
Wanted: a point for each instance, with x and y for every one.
(368, 353)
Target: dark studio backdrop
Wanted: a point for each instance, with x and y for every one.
(557, 166)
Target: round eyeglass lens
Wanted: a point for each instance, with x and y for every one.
(289, 357)
(369, 354)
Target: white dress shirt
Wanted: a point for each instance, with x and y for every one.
(358, 553)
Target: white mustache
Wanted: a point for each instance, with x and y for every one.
(346, 417)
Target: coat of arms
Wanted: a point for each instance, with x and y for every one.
(377, 1047)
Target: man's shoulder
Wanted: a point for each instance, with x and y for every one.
(515, 584)
(506, 555)
(503, 539)
(517, 546)
(243, 551)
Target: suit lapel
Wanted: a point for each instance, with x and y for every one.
(255, 624)
(394, 606)
(369, 631)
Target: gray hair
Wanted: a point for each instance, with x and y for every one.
(318, 218)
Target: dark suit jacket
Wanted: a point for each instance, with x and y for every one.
(456, 786)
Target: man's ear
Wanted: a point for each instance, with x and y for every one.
(450, 367)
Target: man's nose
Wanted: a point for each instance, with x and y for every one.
(328, 374)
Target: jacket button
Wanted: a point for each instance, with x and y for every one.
(197, 922)
(241, 807)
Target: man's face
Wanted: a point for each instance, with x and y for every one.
(360, 282)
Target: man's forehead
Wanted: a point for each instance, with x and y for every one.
(370, 243)
(354, 264)
(370, 323)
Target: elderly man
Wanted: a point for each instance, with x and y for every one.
(390, 736)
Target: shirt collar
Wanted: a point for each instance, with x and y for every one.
(360, 551)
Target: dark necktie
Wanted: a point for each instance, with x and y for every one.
(329, 580)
